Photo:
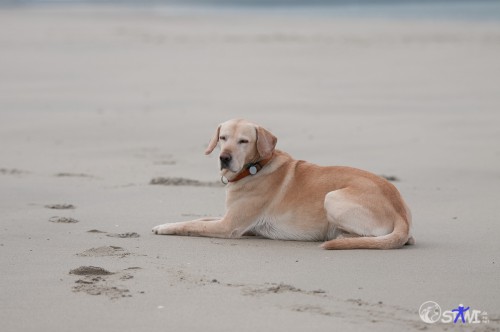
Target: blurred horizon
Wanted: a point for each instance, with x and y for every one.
(414, 9)
(254, 2)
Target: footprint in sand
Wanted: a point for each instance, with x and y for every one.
(390, 178)
(124, 235)
(104, 251)
(60, 206)
(12, 171)
(73, 175)
(63, 220)
(90, 271)
(127, 235)
(96, 231)
(99, 281)
(184, 182)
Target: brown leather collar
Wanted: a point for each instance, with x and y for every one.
(251, 169)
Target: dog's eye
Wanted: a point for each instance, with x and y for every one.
(242, 141)
(222, 138)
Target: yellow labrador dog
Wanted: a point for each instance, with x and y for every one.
(275, 196)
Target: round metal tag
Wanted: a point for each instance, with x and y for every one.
(253, 170)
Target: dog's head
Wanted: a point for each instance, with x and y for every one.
(241, 143)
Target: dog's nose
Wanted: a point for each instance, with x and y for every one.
(225, 159)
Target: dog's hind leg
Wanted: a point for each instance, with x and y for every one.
(368, 225)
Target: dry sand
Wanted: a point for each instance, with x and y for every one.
(96, 103)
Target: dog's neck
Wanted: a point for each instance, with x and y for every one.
(251, 169)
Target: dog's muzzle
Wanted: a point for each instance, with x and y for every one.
(225, 160)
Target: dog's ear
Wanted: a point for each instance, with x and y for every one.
(265, 142)
(213, 142)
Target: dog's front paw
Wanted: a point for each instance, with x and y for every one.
(160, 229)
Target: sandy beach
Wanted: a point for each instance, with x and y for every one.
(96, 102)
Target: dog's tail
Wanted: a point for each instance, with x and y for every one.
(396, 239)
